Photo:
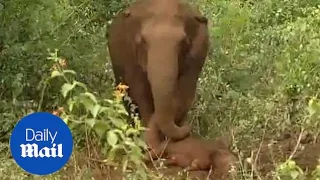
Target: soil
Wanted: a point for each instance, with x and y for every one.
(306, 154)
(267, 156)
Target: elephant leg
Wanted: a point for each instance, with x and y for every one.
(118, 73)
(194, 61)
(185, 95)
(152, 138)
(139, 91)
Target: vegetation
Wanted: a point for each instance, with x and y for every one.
(261, 82)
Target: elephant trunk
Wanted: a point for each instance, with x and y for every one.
(162, 68)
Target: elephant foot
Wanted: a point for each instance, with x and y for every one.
(153, 140)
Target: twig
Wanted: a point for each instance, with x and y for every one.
(297, 145)
(162, 152)
(210, 172)
(103, 161)
(257, 155)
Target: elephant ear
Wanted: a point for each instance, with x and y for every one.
(193, 19)
(196, 30)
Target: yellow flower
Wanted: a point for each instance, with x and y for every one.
(122, 88)
(61, 109)
(118, 95)
(120, 91)
(62, 62)
(53, 68)
(58, 112)
(55, 113)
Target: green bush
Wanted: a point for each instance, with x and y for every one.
(30, 28)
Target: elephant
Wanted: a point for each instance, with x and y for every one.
(158, 49)
(195, 154)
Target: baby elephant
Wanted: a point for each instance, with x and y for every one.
(194, 153)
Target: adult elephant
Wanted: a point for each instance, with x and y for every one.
(158, 48)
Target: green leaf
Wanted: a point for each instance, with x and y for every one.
(91, 96)
(140, 142)
(113, 151)
(66, 119)
(132, 131)
(120, 133)
(104, 109)
(109, 101)
(294, 174)
(1, 6)
(55, 74)
(122, 110)
(80, 84)
(94, 111)
(112, 138)
(313, 106)
(91, 122)
(66, 88)
(69, 71)
(111, 154)
(142, 172)
(101, 128)
(135, 158)
(117, 122)
(88, 103)
(129, 142)
(291, 164)
(71, 104)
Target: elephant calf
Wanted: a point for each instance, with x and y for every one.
(194, 153)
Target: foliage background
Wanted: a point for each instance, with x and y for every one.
(261, 72)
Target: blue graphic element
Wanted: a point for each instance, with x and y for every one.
(41, 143)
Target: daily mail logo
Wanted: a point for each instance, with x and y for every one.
(41, 143)
(32, 150)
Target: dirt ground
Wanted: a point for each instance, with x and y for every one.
(268, 154)
(306, 154)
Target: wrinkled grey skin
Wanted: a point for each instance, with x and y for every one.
(158, 48)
